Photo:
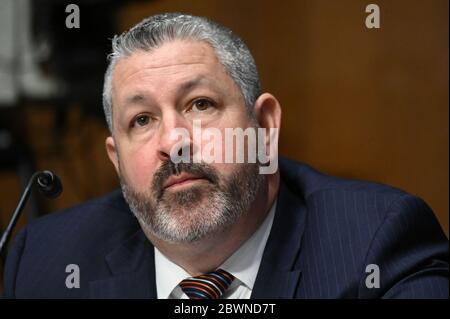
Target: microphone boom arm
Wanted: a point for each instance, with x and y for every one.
(23, 200)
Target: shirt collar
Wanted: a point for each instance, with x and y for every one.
(168, 275)
(243, 264)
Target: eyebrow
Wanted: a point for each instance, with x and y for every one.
(136, 98)
(142, 97)
(191, 84)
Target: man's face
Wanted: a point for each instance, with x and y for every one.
(155, 93)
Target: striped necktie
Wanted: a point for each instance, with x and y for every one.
(208, 286)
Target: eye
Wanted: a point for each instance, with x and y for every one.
(202, 105)
(140, 120)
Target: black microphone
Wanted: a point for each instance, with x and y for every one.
(48, 184)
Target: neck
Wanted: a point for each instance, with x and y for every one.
(209, 253)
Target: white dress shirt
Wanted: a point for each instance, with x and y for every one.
(243, 265)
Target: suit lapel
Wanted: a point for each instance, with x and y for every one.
(279, 274)
(133, 269)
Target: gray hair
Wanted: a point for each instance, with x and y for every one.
(152, 32)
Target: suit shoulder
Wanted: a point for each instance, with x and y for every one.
(350, 224)
(82, 235)
(101, 215)
(303, 178)
(112, 202)
(365, 201)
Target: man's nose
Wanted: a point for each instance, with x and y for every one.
(174, 136)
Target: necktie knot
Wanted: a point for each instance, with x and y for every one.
(208, 286)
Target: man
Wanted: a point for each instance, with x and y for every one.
(202, 229)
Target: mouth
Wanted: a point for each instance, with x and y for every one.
(182, 180)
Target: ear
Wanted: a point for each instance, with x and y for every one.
(268, 115)
(112, 152)
(268, 111)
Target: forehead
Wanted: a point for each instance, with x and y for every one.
(171, 60)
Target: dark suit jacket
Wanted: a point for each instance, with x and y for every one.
(325, 232)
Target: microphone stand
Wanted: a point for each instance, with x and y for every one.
(23, 200)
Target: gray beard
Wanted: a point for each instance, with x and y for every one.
(196, 212)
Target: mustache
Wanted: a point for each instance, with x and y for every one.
(168, 168)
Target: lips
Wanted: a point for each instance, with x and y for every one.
(181, 179)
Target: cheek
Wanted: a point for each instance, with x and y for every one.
(138, 167)
(225, 170)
